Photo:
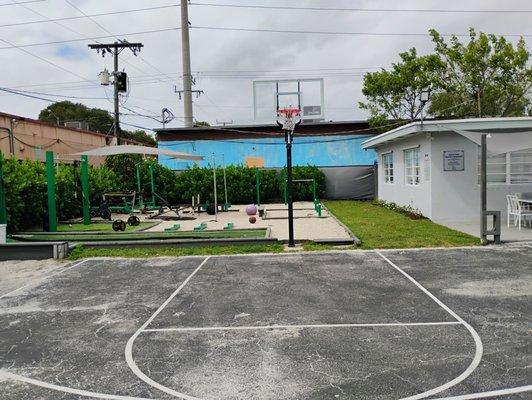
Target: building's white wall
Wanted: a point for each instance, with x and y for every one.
(418, 197)
(449, 195)
(455, 193)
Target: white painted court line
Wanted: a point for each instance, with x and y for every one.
(42, 279)
(85, 393)
(479, 348)
(493, 393)
(129, 346)
(325, 326)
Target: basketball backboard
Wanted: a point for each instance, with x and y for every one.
(305, 94)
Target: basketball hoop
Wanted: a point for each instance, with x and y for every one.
(289, 118)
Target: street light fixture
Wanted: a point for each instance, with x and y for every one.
(424, 97)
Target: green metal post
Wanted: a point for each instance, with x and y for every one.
(152, 184)
(257, 185)
(314, 197)
(139, 186)
(50, 180)
(85, 189)
(137, 170)
(3, 207)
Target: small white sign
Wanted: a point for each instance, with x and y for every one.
(453, 160)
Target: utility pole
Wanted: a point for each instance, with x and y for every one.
(188, 81)
(115, 49)
(187, 74)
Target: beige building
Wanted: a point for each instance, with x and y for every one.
(26, 138)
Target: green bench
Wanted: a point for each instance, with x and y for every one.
(200, 227)
(174, 228)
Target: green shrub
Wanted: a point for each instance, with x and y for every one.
(102, 180)
(241, 184)
(409, 211)
(24, 184)
(68, 192)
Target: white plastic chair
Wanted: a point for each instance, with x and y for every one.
(518, 211)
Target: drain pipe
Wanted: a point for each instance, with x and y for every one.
(10, 138)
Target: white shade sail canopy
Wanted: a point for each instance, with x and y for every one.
(501, 142)
(130, 149)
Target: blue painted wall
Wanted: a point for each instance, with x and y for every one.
(322, 151)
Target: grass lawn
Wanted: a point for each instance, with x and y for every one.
(80, 252)
(95, 227)
(88, 237)
(380, 228)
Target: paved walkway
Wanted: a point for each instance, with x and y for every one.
(510, 234)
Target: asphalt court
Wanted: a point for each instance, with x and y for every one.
(351, 325)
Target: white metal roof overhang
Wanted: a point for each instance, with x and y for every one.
(144, 150)
(504, 134)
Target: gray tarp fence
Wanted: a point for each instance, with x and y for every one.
(354, 182)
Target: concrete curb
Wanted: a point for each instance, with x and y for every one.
(177, 242)
(356, 240)
(33, 251)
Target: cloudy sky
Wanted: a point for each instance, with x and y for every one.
(49, 59)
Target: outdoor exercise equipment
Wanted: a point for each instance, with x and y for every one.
(119, 202)
(316, 201)
(257, 186)
(142, 202)
(119, 225)
(102, 211)
(50, 188)
(133, 220)
(144, 150)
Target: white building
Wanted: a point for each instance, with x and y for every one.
(434, 167)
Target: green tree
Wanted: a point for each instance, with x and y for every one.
(395, 94)
(487, 76)
(140, 136)
(98, 120)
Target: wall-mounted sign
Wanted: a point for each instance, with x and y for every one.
(453, 160)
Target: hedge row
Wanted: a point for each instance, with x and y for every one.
(25, 183)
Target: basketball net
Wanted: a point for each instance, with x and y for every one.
(288, 118)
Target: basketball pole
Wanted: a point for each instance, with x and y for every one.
(288, 140)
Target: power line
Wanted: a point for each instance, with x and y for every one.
(264, 30)
(138, 126)
(27, 95)
(417, 10)
(89, 38)
(45, 60)
(21, 2)
(54, 101)
(85, 16)
(54, 95)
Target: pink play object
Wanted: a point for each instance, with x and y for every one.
(251, 209)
